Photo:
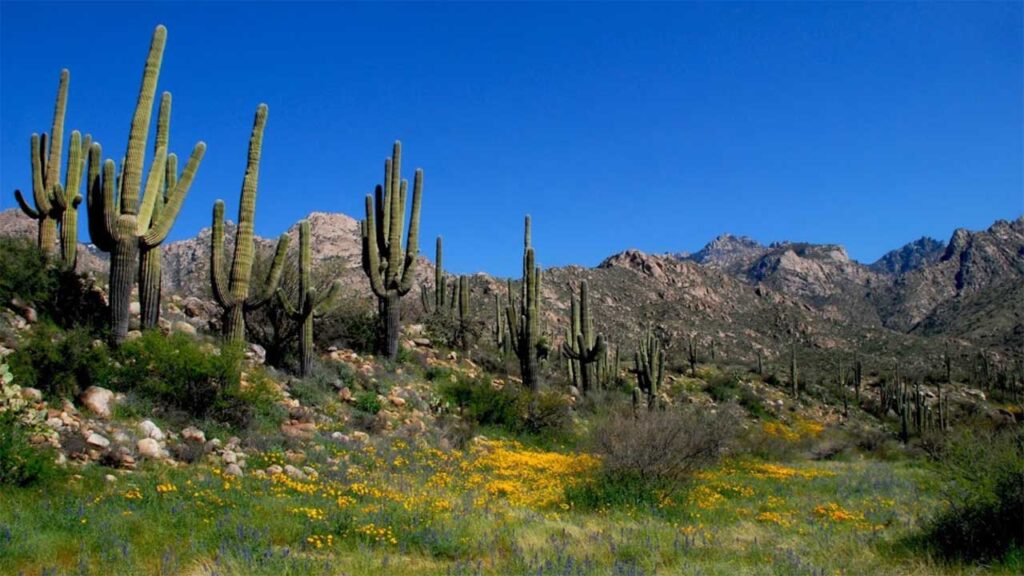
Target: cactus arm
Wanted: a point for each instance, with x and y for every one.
(163, 122)
(273, 277)
(57, 131)
(289, 310)
(95, 201)
(218, 280)
(28, 210)
(38, 188)
(394, 253)
(154, 188)
(371, 251)
(137, 136)
(412, 240)
(169, 212)
(328, 302)
(171, 179)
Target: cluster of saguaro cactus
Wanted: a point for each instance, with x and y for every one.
(309, 305)
(391, 272)
(461, 297)
(523, 316)
(231, 290)
(691, 355)
(841, 387)
(499, 331)
(649, 367)
(438, 302)
(56, 205)
(118, 223)
(760, 362)
(582, 346)
(454, 305)
(858, 377)
(910, 404)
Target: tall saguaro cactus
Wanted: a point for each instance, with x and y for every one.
(649, 367)
(118, 223)
(231, 290)
(585, 348)
(391, 272)
(56, 205)
(309, 305)
(150, 265)
(523, 316)
(437, 304)
(792, 370)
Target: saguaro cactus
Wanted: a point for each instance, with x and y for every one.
(523, 315)
(692, 356)
(437, 303)
(585, 347)
(500, 331)
(123, 228)
(150, 265)
(391, 272)
(649, 367)
(55, 204)
(232, 292)
(309, 305)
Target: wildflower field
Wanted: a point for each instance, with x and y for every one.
(498, 507)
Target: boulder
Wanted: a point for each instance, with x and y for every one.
(149, 448)
(150, 430)
(193, 434)
(97, 441)
(98, 400)
(183, 327)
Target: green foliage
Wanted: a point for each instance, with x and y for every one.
(61, 363)
(21, 464)
(984, 473)
(180, 371)
(57, 294)
(368, 402)
(727, 388)
(510, 408)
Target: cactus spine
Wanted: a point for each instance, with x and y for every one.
(232, 291)
(523, 315)
(55, 204)
(390, 272)
(309, 306)
(649, 367)
(585, 348)
(123, 228)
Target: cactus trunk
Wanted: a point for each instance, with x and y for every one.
(150, 275)
(122, 277)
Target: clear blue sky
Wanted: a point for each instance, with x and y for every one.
(651, 126)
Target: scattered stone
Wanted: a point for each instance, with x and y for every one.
(149, 448)
(397, 401)
(97, 441)
(422, 342)
(98, 400)
(256, 354)
(274, 469)
(294, 473)
(193, 434)
(193, 307)
(233, 470)
(229, 457)
(360, 436)
(110, 478)
(151, 430)
(302, 430)
(133, 335)
(32, 394)
(183, 327)
(345, 395)
(134, 308)
(975, 393)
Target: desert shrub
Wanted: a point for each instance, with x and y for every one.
(21, 463)
(57, 294)
(368, 402)
(319, 387)
(727, 388)
(509, 408)
(984, 474)
(664, 448)
(61, 363)
(181, 372)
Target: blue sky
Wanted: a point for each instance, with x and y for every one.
(652, 126)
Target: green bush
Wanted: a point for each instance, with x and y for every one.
(368, 402)
(61, 363)
(510, 407)
(179, 371)
(984, 472)
(21, 464)
(57, 294)
(727, 388)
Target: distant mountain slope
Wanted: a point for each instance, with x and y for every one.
(917, 254)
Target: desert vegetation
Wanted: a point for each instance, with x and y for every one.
(492, 429)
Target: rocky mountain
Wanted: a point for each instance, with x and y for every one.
(743, 295)
(919, 253)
